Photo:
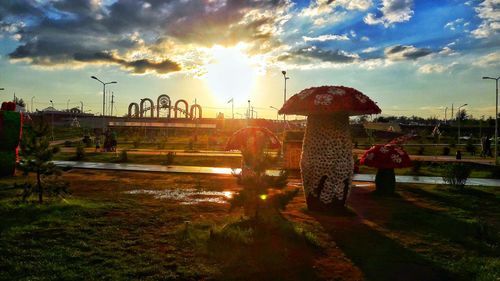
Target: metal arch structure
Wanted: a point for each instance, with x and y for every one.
(177, 109)
(163, 102)
(133, 106)
(195, 108)
(152, 105)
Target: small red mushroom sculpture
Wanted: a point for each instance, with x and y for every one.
(326, 163)
(385, 158)
(252, 141)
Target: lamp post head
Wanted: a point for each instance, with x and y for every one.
(283, 72)
(93, 77)
(113, 82)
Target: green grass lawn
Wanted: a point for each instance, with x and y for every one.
(104, 231)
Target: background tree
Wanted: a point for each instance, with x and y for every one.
(36, 154)
(462, 115)
(20, 102)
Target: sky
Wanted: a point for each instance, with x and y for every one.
(412, 57)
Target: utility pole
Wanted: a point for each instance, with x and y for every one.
(113, 102)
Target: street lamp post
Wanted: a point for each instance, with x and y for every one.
(32, 103)
(496, 116)
(459, 117)
(103, 97)
(276, 112)
(445, 115)
(52, 117)
(284, 95)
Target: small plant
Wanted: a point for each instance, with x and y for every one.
(80, 152)
(470, 147)
(169, 158)
(421, 150)
(68, 143)
(417, 165)
(446, 151)
(456, 175)
(136, 142)
(37, 157)
(123, 157)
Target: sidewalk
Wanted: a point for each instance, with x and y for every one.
(229, 171)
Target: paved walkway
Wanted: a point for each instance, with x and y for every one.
(229, 171)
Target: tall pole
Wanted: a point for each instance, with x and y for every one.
(103, 98)
(113, 102)
(284, 96)
(277, 118)
(81, 108)
(52, 121)
(459, 115)
(445, 115)
(32, 103)
(496, 117)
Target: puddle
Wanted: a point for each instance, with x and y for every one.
(188, 196)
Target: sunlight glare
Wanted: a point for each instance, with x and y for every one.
(231, 74)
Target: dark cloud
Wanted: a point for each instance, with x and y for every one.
(136, 66)
(59, 32)
(401, 52)
(308, 53)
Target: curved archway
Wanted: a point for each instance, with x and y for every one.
(152, 105)
(135, 107)
(163, 102)
(176, 108)
(195, 108)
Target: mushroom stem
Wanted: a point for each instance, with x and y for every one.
(385, 182)
(326, 162)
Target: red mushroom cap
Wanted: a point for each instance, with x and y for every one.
(328, 100)
(386, 157)
(250, 136)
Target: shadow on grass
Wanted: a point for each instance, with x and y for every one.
(378, 256)
(254, 251)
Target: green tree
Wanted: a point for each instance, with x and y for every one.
(20, 102)
(36, 154)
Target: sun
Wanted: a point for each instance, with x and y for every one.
(230, 73)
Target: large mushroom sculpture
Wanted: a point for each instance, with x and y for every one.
(327, 162)
(385, 158)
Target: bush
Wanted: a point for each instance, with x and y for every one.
(80, 152)
(470, 147)
(421, 150)
(415, 168)
(456, 174)
(123, 157)
(68, 143)
(446, 151)
(169, 158)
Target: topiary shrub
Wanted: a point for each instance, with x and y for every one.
(446, 151)
(79, 152)
(421, 150)
(169, 158)
(417, 165)
(456, 175)
(123, 157)
(470, 147)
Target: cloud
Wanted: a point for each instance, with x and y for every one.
(489, 12)
(369, 50)
(435, 68)
(327, 37)
(313, 53)
(402, 52)
(68, 32)
(392, 11)
(137, 66)
(489, 60)
(324, 12)
(454, 25)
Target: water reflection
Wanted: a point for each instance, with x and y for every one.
(187, 196)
